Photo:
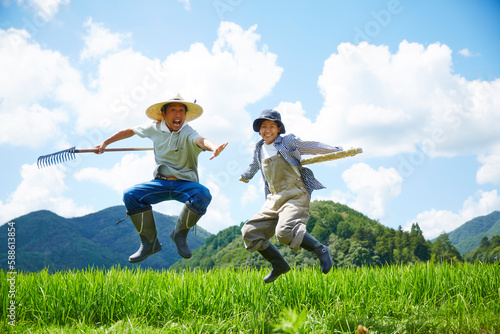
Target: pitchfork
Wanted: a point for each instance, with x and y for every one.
(69, 154)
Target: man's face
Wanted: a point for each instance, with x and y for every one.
(175, 115)
(269, 130)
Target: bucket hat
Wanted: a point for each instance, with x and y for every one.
(268, 115)
(193, 110)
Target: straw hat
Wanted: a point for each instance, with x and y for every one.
(193, 110)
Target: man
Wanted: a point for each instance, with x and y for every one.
(288, 188)
(176, 149)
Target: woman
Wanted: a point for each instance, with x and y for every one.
(288, 188)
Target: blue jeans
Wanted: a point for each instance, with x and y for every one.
(141, 196)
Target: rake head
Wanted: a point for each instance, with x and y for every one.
(57, 157)
(69, 154)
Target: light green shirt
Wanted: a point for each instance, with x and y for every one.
(176, 153)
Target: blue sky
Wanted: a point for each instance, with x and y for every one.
(414, 83)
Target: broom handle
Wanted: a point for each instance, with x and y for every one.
(331, 156)
(120, 149)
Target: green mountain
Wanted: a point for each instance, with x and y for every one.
(468, 236)
(352, 236)
(46, 240)
(355, 240)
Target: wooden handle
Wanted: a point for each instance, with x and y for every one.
(120, 149)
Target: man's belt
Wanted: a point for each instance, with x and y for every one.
(166, 177)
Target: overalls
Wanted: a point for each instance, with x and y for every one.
(285, 211)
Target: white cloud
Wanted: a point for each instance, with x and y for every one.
(236, 66)
(115, 99)
(434, 222)
(187, 4)
(389, 103)
(466, 53)
(370, 189)
(490, 170)
(130, 170)
(99, 40)
(120, 97)
(481, 204)
(46, 9)
(234, 73)
(39, 99)
(251, 195)
(21, 126)
(338, 196)
(40, 189)
(293, 116)
(218, 216)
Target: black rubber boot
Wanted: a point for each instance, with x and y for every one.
(144, 223)
(280, 266)
(323, 253)
(187, 219)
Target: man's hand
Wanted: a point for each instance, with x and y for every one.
(218, 150)
(126, 133)
(100, 148)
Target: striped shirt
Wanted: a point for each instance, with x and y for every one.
(291, 148)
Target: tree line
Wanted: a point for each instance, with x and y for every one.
(355, 241)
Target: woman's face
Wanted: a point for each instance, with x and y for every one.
(269, 130)
(174, 116)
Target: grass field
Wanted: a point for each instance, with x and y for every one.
(426, 298)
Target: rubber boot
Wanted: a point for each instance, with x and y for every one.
(144, 223)
(187, 219)
(280, 266)
(323, 253)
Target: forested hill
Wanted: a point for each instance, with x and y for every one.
(355, 240)
(468, 236)
(46, 240)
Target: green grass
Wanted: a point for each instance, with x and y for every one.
(462, 298)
